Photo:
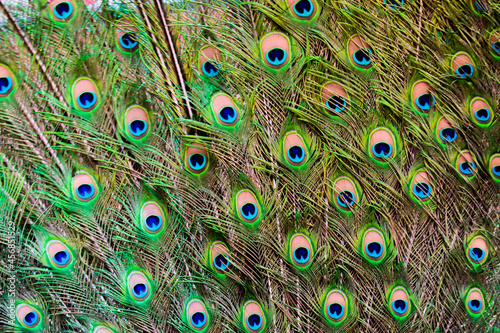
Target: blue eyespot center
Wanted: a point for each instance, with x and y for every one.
(465, 71)
(5, 84)
(448, 134)
(475, 305)
(422, 190)
(137, 127)
(198, 319)
(335, 310)
(336, 103)
(496, 170)
(426, 101)
(374, 249)
(61, 257)
(276, 56)
(254, 321)
(87, 99)
(221, 262)
(482, 115)
(363, 56)
(480, 6)
(140, 290)
(345, 198)
(249, 211)
(296, 154)
(382, 150)
(153, 222)
(63, 10)
(227, 114)
(399, 306)
(301, 255)
(85, 191)
(210, 68)
(197, 161)
(496, 46)
(303, 8)
(30, 318)
(128, 40)
(467, 168)
(477, 254)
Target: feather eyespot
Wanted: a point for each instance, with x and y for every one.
(477, 250)
(399, 302)
(7, 81)
(421, 186)
(28, 316)
(58, 254)
(219, 257)
(225, 110)
(85, 94)
(445, 131)
(481, 112)
(381, 145)
(479, 6)
(422, 96)
(303, 9)
(138, 286)
(126, 37)
(295, 149)
(301, 250)
(373, 245)
(335, 98)
(462, 65)
(84, 187)
(102, 329)
(394, 4)
(254, 319)
(247, 206)
(346, 195)
(62, 11)
(210, 58)
(360, 53)
(152, 217)
(335, 306)
(137, 122)
(495, 43)
(196, 159)
(474, 302)
(197, 314)
(494, 167)
(276, 50)
(465, 164)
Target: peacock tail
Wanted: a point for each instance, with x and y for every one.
(249, 166)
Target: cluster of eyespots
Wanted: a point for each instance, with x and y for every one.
(126, 36)
(295, 149)
(303, 9)
(462, 65)
(360, 53)
(345, 194)
(335, 306)
(136, 122)
(465, 164)
(7, 81)
(28, 316)
(58, 254)
(224, 109)
(84, 187)
(477, 250)
(445, 131)
(197, 314)
(494, 166)
(421, 186)
(85, 94)
(481, 112)
(276, 50)
(399, 302)
(62, 11)
(381, 145)
(247, 206)
(138, 286)
(474, 302)
(152, 217)
(219, 257)
(196, 159)
(422, 96)
(253, 319)
(373, 245)
(301, 250)
(209, 64)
